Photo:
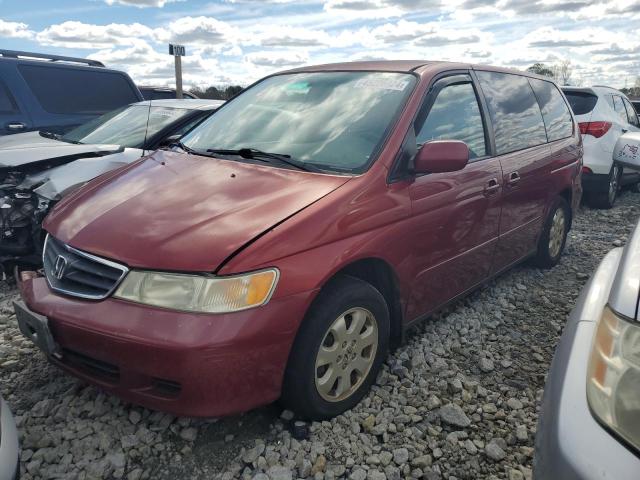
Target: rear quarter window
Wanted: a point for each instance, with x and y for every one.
(78, 91)
(514, 110)
(555, 112)
(581, 102)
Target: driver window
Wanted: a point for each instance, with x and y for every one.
(455, 115)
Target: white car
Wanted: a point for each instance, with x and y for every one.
(37, 169)
(603, 114)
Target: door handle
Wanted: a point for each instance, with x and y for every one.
(514, 178)
(491, 187)
(15, 126)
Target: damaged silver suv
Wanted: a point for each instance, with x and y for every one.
(38, 168)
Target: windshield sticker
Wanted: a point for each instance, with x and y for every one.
(164, 112)
(298, 87)
(383, 83)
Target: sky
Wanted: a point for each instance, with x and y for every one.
(240, 41)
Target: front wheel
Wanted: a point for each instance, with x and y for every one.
(554, 234)
(338, 350)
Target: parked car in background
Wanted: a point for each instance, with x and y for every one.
(54, 93)
(9, 449)
(627, 151)
(636, 104)
(589, 425)
(291, 238)
(603, 114)
(38, 168)
(162, 93)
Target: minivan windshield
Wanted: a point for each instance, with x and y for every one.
(125, 126)
(330, 120)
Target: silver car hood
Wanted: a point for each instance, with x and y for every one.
(56, 182)
(25, 148)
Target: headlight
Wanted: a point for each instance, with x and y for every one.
(613, 383)
(199, 293)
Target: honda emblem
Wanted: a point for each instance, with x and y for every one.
(60, 267)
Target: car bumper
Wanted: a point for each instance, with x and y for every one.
(595, 182)
(182, 363)
(9, 450)
(570, 443)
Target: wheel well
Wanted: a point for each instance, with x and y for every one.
(381, 276)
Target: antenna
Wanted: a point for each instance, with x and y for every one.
(146, 131)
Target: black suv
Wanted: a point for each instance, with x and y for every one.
(55, 93)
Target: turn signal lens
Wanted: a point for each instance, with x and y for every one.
(199, 293)
(614, 376)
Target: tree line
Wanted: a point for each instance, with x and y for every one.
(562, 73)
(217, 93)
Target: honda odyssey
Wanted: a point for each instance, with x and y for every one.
(284, 246)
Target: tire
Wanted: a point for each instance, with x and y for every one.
(607, 199)
(552, 240)
(343, 301)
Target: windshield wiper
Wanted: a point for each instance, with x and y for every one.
(260, 155)
(57, 136)
(46, 134)
(184, 148)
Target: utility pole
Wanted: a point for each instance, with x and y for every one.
(178, 51)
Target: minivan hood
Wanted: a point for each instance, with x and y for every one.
(30, 147)
(180, 212)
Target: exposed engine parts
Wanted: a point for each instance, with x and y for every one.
(21, 214)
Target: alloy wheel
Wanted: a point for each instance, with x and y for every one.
(346, 354)
(556, 234)
(613, 183)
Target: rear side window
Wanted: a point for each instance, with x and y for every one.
(455, 115)
(514, 110)
(581, 102)
(79, 91)
(7, 103)
(618, 107)
(555, 113)
(631, 113)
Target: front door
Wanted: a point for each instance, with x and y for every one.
(455, 216)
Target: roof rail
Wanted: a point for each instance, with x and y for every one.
(51, 58)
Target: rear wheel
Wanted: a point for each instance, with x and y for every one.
(338, 350)
(607, 198)
(554, 234)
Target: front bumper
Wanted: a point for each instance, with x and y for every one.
(187, 364)
(570, 443)
(9, 450)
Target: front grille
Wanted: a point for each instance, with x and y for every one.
(73, 272)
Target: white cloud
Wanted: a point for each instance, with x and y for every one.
(15, 30)
(140, 3)
(202, 30)
(74, 34)
(278, 59)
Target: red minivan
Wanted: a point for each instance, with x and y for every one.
(286, 243)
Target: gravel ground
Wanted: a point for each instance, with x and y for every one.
(458, 401)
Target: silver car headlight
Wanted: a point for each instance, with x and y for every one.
(613, 382)
(199, 293)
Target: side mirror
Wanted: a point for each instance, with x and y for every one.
(439, 156)
(169, 140)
